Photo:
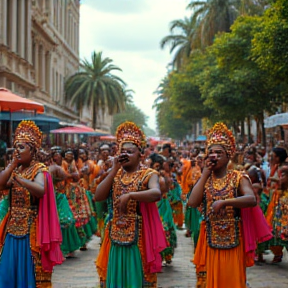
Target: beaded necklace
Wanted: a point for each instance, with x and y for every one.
(222, 228)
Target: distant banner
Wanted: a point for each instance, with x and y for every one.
(276, 120)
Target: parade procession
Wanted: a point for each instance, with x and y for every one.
(176, 177)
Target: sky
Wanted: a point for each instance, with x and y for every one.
(129, 32)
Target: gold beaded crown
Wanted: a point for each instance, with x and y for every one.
(221, 135)
(129, 132)
(27, 131)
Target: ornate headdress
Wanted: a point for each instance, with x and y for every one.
(128, 132)
(27, 131)
(221, 135)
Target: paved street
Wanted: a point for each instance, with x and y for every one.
(80, 271)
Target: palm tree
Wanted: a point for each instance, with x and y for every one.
(94, 86)
(161, 92)
(183, 42)
(128, 94)
(214, 16)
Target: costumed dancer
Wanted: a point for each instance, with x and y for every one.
(88, 171)
(282, 209)
(174, 194)
(71, 240)
(192, 215)
(134, 235)
(165, 210)
(75, 195)
(230, 230)
(30, 231)
(279, 156)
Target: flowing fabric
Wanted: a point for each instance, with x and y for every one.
(124, 267)
(49, 231)
(225, 268)
(166, 216)
(255, 228)
(17, 256)
(154, 237)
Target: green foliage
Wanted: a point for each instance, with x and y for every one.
(95, 86)
(131, 113)
(184, 90)
(270, 44)
(169, 124)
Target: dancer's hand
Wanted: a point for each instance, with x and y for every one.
(218, 205)
(122, 203)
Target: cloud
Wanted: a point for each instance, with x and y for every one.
(117, 6)
(131, 39)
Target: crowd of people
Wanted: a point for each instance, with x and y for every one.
(232, 200)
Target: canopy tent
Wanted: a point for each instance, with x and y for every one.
(80, 129)
(12, 102)
(276, 120)
(108, 138)
(201, 138)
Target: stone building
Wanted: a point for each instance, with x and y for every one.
(39, 48)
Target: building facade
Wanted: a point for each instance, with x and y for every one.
(39, 48)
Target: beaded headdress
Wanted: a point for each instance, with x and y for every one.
(221, 135)
(129, 132)
(28, 132)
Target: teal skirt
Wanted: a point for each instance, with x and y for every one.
(124, 267)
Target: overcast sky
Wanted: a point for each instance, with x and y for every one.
(129, 32)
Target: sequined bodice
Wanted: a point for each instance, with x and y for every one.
(222, 227)
(22, 210)
(124, 226)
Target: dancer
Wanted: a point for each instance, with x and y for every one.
(220, 257)
(30, 241)
(134, 236)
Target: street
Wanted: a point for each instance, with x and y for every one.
(80, 272)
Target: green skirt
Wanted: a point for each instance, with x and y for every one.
(124, 267)
(166, 215)
(70, 237)
(91, 227)
(192, 222)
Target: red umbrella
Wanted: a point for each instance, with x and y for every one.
(12, 102)
(108, 138)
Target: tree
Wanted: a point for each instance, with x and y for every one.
(131, 113)
(95, 86)
(235, 86)
(271, 42)
(213, 16)
(183, 42)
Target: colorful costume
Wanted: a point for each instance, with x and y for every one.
(176, 202)
(29, 238)
(193, 215)
(132, 241)
(71, 240)
(166, 215)
(227, 240)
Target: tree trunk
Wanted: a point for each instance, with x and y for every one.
(242, 131)
(94, 115)
(261, 120)
(249, 130)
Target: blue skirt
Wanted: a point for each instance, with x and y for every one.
(16, 263)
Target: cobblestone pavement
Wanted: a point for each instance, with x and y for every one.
(80, 272)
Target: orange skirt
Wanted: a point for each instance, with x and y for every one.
(224, 268)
